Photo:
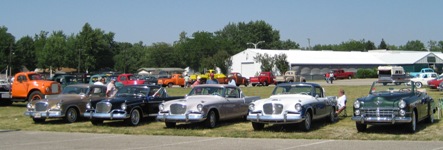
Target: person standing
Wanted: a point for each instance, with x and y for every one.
(331, 77)
(211, 79)
(100, 82)
(186, 81)
(197, 82)
(111, 90)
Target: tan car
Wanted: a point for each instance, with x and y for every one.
(69, 105)
(208, 103)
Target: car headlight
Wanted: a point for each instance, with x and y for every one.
(357, 112)
(199, 107)
(88, 105)
(402, 104)
(402, 112)
(251, 106)
(297, 107)
(123, 106)
(29, 105)
(58, 106)
(161, 107)
(357, 104)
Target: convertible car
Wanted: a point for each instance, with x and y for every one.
(393, 104)
(292, 103)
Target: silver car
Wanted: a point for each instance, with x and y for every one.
(207, 103)
(69, 105)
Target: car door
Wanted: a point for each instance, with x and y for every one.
(20, 86)
(240, 107)
(321, 102)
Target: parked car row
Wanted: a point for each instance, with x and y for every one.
(298, 103)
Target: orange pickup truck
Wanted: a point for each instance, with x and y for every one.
(176, 79)
(28, 86)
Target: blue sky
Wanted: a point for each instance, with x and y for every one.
(149, 21)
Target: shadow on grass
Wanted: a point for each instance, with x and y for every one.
(109, 123)
(201, 125)
(398, 128)
(297, 127)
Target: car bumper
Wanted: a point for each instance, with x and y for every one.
(381, 120)
(113, 115)
(275, 119)
(44, 114)
(165, 117)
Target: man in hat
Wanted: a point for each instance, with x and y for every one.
(111, 90)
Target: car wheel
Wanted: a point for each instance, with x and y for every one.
(134, 118)
(265, 83)
(361, 127)
(169, 85)
(306, 124)
(211, 119)
(258, 126)
(385, 83)
(253, 84)
(418, 84)
(38, 120)
(170, 124)
(71, 115)
(97, 121)
(431, 118)
(246, 83)
(36, 95)
(349, 77)
(412, 126)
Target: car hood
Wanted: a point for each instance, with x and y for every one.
(287, 98)
(197, 99)
(381, 101)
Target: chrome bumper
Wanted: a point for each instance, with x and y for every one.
(275, 119)
(44, 114)
(166, 117)
(381, 120)
(113, 115)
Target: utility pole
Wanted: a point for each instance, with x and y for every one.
(255, 44)
(309, 44)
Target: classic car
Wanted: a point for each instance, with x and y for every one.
(208, 103)
(69, 105)
(395, 104)
(290, 103)
(131, 103)
(422, 79)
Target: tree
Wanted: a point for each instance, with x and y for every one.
(267, 62)
(25, 53)
(6, 47)
(382, 45)
(413, 46)
(281, 63)
(53, 51)
(369, 46)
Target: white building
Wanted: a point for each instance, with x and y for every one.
(314, 64)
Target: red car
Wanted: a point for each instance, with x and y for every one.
(433, 84)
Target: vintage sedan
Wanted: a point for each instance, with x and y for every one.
(208, 103)
(395, 104)
(69, 105)
(131, 104)
(292, 103)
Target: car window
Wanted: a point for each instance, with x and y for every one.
(232, 93)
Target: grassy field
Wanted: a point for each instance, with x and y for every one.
(12, 118)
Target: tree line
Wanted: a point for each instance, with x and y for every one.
(93, 49)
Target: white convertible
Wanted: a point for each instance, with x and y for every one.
(293, 103)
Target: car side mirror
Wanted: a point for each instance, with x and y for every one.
(316, 96)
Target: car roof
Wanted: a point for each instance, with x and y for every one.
(299, 83)
(215, 85)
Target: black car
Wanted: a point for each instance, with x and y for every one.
(130, 104)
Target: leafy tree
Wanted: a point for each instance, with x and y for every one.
(267, 62)
(122, 55)
(413, 46)
(221, 59)
(370, 46)
(281, 63)
(25, 53)
(434, 47)
(161, 55)
(52, 54)
(6, 46)
(382, 45)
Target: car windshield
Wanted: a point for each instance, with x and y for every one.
(206, 91)
(292, 89)
(384, 88)
(35, 77)
(133, 90)
(74, 90)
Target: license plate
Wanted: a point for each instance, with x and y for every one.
(37, 115)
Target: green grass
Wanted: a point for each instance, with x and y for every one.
(12, 118)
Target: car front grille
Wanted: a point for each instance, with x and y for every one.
(178, 109)
(41, 106)
(54, 88)
(379, 112)
(103, 107)
(271, 108)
